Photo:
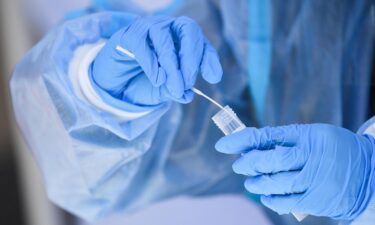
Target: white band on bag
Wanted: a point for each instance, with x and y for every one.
(79, 75)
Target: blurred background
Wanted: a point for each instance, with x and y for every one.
(22, 24)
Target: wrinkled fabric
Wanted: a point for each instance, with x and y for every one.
(94, 165)
(321, 62)
(140, 6)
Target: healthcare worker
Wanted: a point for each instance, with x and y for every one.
(105, 103)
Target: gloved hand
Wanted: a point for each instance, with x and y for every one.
(315, 169)
(169, 54)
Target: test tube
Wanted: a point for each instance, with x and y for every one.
(227, 121)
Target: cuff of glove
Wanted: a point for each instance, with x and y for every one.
(83, 87)
(368, 216)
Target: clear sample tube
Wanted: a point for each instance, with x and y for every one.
(227, 121)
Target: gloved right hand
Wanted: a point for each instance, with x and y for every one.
(169, 53)
(315, 169)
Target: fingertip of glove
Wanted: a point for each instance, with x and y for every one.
(265, 200)
(160, 78)
(249, 185)
(187, 97)
(236, 167)
(212, 72)
(221, 145)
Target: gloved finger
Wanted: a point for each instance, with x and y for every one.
(211, 68)
(191, 45)
(119, 61)
(138, 48)
(258, 162)
(282, 204)
(279, 183)
(111, 82)
(261, 139)
(186, 98)
(162, 41)
(236, 143)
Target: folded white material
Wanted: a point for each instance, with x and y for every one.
(79, 76)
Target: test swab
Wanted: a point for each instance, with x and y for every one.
(125, 51)
(198, 92)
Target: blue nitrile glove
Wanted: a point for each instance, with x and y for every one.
(315, 169)
(169, 54)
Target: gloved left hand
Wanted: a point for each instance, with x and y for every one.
(315, 169)
(164, 56)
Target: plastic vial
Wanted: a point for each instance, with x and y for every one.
(227, 121)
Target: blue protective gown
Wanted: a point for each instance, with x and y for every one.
(319, 71)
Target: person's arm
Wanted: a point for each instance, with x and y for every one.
(79, 148)
(99, 156)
